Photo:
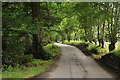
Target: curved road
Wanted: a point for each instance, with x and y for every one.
(74, 64)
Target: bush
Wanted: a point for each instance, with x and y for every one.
(92, 48)
(50, 51)
(10, 69)
(47, 55)
(23, 67)
(17, 60)
(23, 59)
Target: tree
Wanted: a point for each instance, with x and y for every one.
(37, 38)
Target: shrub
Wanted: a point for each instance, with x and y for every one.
(23, 67)
(23, 59)
(93, 49)
(10, 69)
(47, 55)
(50, 51)
(17, 60)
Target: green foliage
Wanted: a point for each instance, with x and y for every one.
(17, 61)
(26, 29)
(96, 50)
(36, 62)
(25, 71)
(27, 64)
(50, 51)
(86, 44)
(16, 26)
(47, 55)
(116, 52)
(24, 59)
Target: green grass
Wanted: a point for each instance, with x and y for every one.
(54, 49)
(34, 67)
(93, 48)
(26, 72)
(117, 47)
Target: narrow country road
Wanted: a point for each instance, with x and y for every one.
(74, 64)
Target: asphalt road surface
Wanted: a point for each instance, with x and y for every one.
(74, 64)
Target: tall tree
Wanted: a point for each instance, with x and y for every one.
(37, 38)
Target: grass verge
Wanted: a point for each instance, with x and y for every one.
(35, 66)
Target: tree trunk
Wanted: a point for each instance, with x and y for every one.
(94, 39)
(86, 35)
(90, 35)
(75, 36)
(48, 38)
(99, 36)
(37, 38)
(114, 29)
(103, 35)
(112, 46)
(68, 37)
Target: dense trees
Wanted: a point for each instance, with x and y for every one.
(103, 16)
(27, 27)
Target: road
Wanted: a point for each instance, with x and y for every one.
(74, 64)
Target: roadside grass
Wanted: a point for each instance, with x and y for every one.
(33, 67)
(26, 72)
(95, 51)
(54, 49)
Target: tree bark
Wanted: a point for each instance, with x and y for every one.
(86, 35)
(103, 35)
(37, 38)
(99, 36)
(75, 36)
(114, 29)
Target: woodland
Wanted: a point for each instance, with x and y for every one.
(29, 30)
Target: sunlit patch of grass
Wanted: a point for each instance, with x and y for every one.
(98, 56)
(117, 47)
(107, 48)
